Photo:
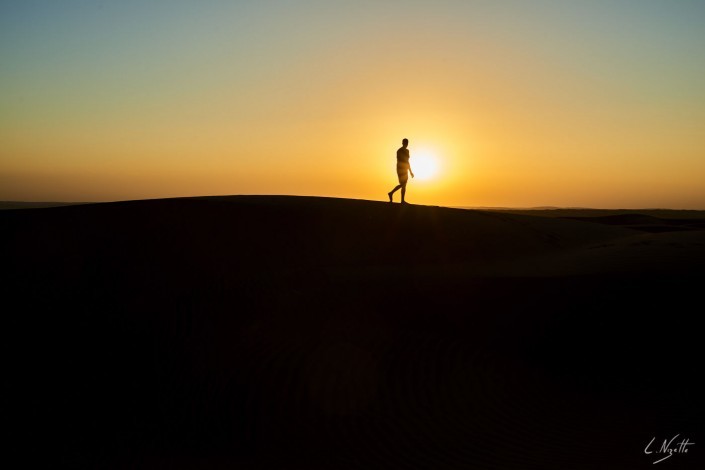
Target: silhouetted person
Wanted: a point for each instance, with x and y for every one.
(403, 170)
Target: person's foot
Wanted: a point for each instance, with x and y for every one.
(390, 196)
(404, 202)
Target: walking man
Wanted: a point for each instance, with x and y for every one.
(403, 170)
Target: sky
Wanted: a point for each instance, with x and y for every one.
(515, 103)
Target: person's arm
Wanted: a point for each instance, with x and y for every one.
(412, 173)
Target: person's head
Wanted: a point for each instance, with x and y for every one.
(405, 142)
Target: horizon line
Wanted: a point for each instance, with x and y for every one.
(42, 204)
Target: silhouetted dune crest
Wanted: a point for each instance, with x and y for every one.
(261, 232)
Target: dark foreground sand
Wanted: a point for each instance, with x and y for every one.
(315, 333)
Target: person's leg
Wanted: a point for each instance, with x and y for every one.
(393, 191)
(403, 178)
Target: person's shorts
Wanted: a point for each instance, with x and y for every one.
(403, 173)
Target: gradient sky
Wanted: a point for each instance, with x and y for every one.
(596, 103)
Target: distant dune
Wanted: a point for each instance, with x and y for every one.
(585, 212)
(304, 332)
(6, 205)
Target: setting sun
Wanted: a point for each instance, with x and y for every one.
(424, 165)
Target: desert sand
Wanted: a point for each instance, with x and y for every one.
(319, 333)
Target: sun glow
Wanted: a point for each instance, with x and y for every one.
(424, 165)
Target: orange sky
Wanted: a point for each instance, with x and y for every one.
(557, 103)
